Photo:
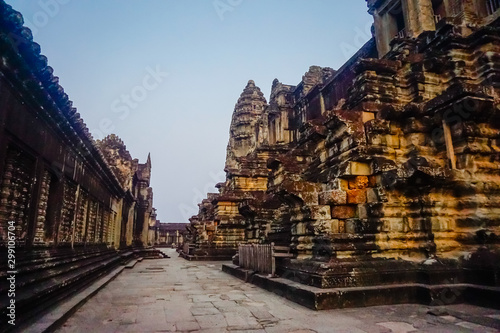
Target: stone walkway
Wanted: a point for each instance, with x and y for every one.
(174, 295)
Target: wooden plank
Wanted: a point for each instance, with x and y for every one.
(240, 256)
(281, 248)
(273, 264)
(283, 255)
(257, 257)
(269, 268)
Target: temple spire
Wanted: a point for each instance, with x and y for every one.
(245, 131)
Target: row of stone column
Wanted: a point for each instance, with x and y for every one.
(43, 209)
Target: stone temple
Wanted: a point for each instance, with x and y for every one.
(376, 183)
(381, 177)
(71, 208)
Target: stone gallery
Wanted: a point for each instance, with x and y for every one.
(381, 178)
(376, 183)
(71, 207)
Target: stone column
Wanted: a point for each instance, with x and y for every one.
(36, 233)
(470, 11)
(419, 16)
(383, 33)
(426, 15)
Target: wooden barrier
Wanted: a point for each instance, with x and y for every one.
(262, 257)
(185, 247)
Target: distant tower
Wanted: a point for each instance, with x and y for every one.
(245, 128)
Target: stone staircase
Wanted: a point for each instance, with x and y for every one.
(46, 276)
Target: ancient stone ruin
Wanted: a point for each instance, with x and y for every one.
(385, 172)
(168, 234)
(71, 208)
(134, 177)
(372, 184)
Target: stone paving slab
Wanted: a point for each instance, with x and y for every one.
(176, 295)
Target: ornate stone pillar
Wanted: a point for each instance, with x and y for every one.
(384, 33)
(470, 11)
(41, 216)
(419, 16)
(15, 194)
(65, 230)
(81, 217)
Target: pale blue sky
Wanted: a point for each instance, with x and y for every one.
(104, 50)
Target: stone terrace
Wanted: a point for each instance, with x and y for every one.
(174, 295)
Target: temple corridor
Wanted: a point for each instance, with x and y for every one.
(175, 295)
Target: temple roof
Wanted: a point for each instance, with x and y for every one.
(28, 70)
(250, 94)
(181, 227)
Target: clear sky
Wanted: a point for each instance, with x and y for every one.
(164, 75)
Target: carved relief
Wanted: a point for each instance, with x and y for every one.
(81, 217)
(92, 221)
(65, 233)
(17, 182)
(41, 226)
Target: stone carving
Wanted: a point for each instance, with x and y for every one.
(81, 216)
(65, 232)
(16, 190)
(116, 154)
(42, 209)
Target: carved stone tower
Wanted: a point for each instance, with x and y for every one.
(246, 130)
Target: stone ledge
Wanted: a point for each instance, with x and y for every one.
(349, 297)
(191, 257)
(57, 315)
(132, 263)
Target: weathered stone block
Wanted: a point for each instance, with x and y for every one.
(299, 228)
(394, 129)
(416, 139)
(359, 182)
(340, 184)
(372, 195)
(392, 141)
(376, 139)
(362, 212)
(356, 196)
(323, 156)
(417, 224)
(345, 144)
(333, 197)
(320, 212)
(322, 227)
(297, 215)
(342, 226)
(335, 226)
(404, 142)
(250, 184)
(441, 223)
(306, 191)
(350, 226)
(343, 212)
(395, 225)
(367, 116)
(360, 169)
(377, 126)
